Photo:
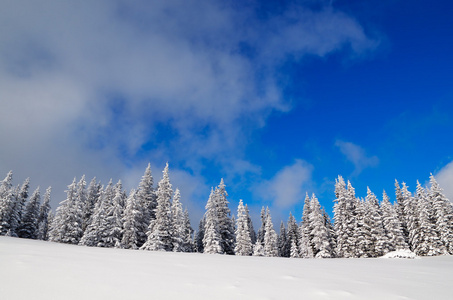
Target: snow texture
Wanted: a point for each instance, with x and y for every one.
(31, 269)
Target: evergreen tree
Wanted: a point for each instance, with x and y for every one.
(412, 217)
(178, 223)
(43, 219)
(261, 230)
(250, 225)
(113, 223)
(392, 225)
(212, 237)
(293, 232)
(319, 231)
(258, 249)
(243, 240)
(28, 228)
(443, 214)
(67, 224)
(428, 243)
(147, 200)
(380, 245)
(93, 195)
(7, 202)
(188, 239)
(200, 235)
(20, 198)
(305, 245)
(283, 249)
(225, 224)
(160, 230)
(294, 252)
(400, 207)
(362, 234)
(131, 223)
(270, 238)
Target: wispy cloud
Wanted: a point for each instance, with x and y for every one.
(98, 87)
(356, 155)
(445, 179)
(288, 186)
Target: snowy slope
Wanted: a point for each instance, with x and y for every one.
(43, 270)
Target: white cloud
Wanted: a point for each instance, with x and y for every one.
(85, 85)
(357, 155)
(288, 186)
(445, 179)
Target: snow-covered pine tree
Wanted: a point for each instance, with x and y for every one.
(7, 202)
(250, 225)
(306, 228)
(342, 216)
(428, 242)
(293, 232)
(225, 224)
(270, 238)
(362, 234)
(319, 232)
(330, 232)
(380, 245)
(412, 217)
(131, 222)
(21, 195)
(243, 239)
(147, 200)
(262, 229)
(28, 228)
(392, 225)
(113, 228)
(93, 192)
(67, 224)
(400, 207)
(211, 237)
(283, 249)
(294, 251)
(43, 219)
(160, 230)
(199, 236)
(178, 224)
(258, 249)
(443, 214)
(188, 239)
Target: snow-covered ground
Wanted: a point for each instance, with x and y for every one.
(43, 270)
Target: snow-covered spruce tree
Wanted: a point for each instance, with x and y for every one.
(362, 234)
(7, 202)
(293, 231)
(67, 224)
(392, 225)
(21, 195)
(282, 243)
(294, 251)
(262, 229)
(400, 207)
(160, 233)
(225, 224)
(147, 200)
(97, 229)
(250, 225)
(113, 223)
(93, 194)
(443, 214)
(178, 223)
(243, 239)
(211, 237)
(199, 236)
(270, 239)
(319, 232)
(380, 245)
(188, 239)
(345, 221)
(412, 217)
(43, 219)
(258, 249)
(28, 228)
(428, 242)
(330, 232)
(131, 223)
(306, 249)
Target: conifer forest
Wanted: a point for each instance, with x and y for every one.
(152, 217)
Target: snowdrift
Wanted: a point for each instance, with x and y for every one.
(32, 269)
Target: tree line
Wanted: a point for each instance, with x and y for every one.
(153, 218)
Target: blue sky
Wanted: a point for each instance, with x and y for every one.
(276, 97)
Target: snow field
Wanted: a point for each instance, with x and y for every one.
(31, 269)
